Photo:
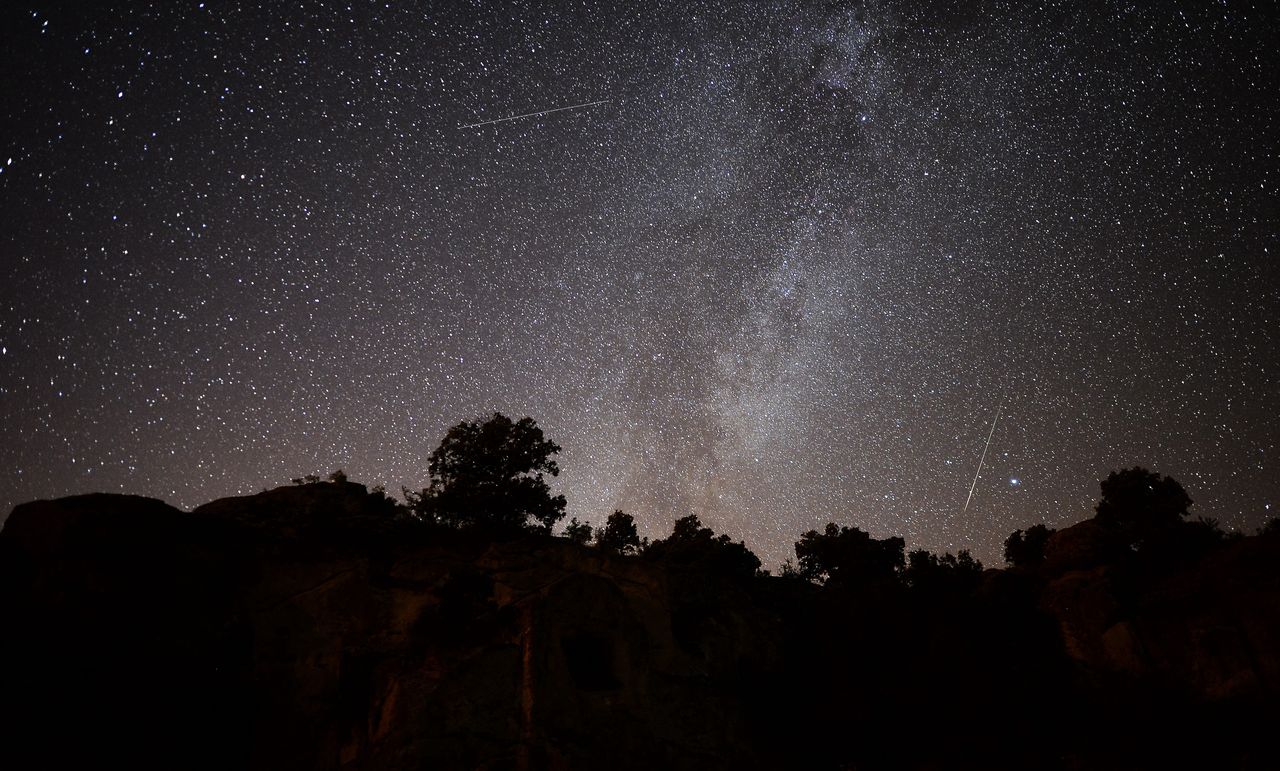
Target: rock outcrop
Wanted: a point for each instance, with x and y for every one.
(307, 627)
(1209, 628)
(331, 638)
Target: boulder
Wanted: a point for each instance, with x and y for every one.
(1083, 546)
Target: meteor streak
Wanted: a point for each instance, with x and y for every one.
(982, 460)
(532, 114)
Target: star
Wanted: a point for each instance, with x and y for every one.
(784, 276)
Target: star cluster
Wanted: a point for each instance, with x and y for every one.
(785, 274)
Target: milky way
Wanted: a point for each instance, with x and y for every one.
(785, 274)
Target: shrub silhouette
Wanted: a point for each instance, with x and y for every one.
(1026, 549)
(692, 545)
(578, 532)
(619, 534)
(491, 474)
(930, 573)
(847, 556)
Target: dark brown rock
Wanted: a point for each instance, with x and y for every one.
(452, 651)
(1083, 546)
(307, 627)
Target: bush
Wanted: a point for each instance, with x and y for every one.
(578, 532)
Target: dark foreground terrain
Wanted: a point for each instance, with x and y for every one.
(306, 628)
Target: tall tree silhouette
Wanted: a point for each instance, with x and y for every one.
(492, 474)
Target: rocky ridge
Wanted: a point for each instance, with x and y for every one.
(307, 627)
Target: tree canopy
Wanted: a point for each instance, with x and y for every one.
(1136, 496)
(691, 544)
(928, 572)
(1141, 506)
(578, 532)
(847, 556)
(1026, 549)
(492, 474)
(619, 534)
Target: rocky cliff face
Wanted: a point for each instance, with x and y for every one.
(1204, 626)
(305, 628)
(327, 638)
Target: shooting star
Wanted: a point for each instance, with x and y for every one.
(982, 460)
(532, 114)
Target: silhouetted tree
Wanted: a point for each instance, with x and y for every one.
(1137, 497)
(1026, 550)
(847, 556)
(619, 534)
(338, 477)
(689, 528)
(930, 573)
(492, 474)
(578, 532)
(693, 545)
(1141, 506)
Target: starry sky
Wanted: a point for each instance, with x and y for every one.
(786, 273)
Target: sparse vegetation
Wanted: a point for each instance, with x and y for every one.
(855, 631)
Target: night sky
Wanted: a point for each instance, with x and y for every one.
(785, 274)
